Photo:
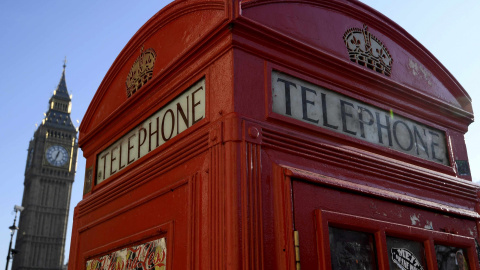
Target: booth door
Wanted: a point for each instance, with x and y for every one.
(345, 229)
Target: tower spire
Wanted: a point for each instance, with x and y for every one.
(58, 113)
(61, 90)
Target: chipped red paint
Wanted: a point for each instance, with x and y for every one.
(229, 191)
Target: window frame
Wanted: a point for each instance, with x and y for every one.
(382, 229)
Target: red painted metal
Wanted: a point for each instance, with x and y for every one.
(228, 192)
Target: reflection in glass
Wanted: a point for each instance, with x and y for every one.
(352, 250)
(451, 258)
(406, 254)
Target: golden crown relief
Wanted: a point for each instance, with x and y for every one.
(366, 50)
(141, 71)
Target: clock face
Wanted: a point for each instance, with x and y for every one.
(30, 157)
(57, 155)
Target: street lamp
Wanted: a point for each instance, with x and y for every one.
(13, 228)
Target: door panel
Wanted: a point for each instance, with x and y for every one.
(340, 229)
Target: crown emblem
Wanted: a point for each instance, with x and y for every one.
(366, 50)
(141, 71)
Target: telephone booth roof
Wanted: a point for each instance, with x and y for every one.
(185, 29)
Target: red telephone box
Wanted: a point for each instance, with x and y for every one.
(276, 134)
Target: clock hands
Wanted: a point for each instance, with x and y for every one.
(57, 155)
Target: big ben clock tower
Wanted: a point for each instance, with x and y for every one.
(49, 175)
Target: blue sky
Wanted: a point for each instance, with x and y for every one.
(37, 35)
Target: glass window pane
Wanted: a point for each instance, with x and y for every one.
(406, 254)
(451, 258)
(352, 250)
